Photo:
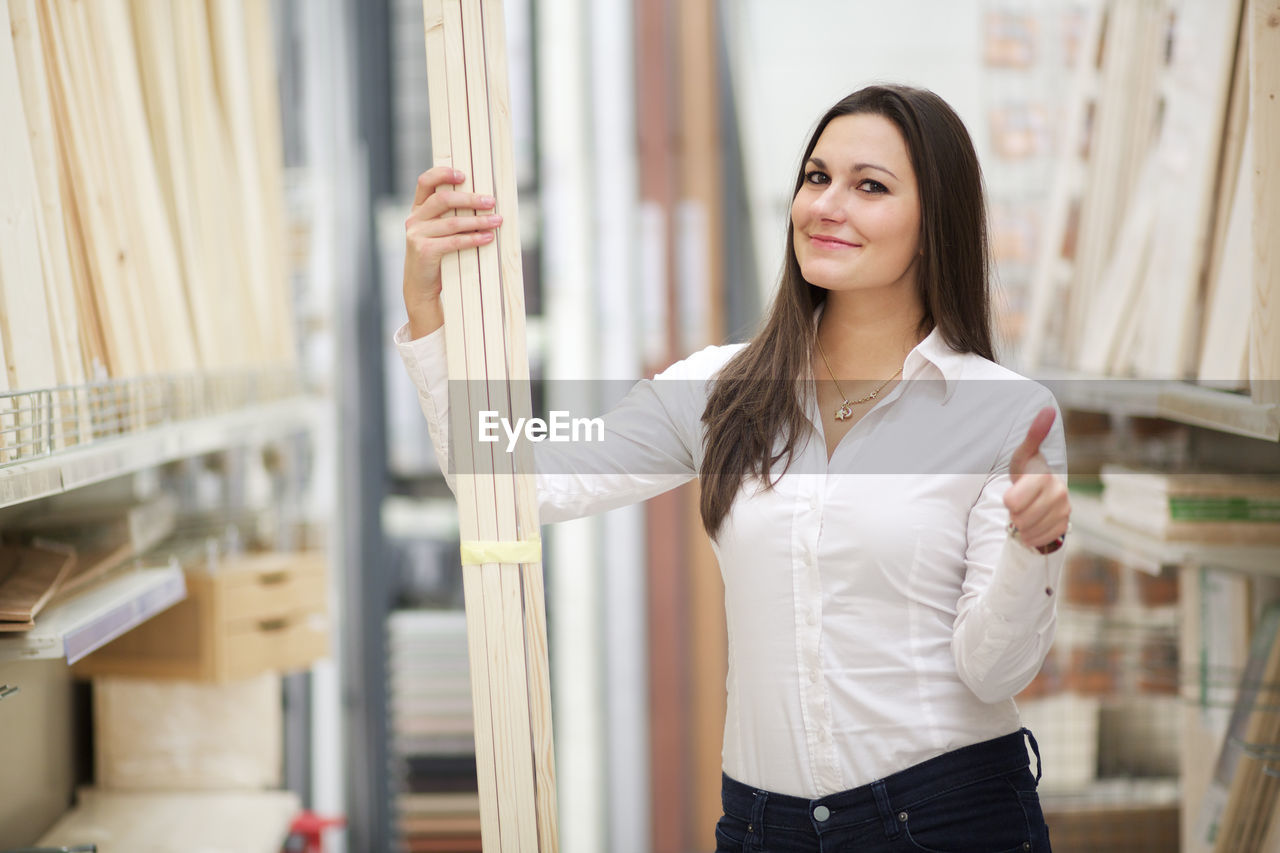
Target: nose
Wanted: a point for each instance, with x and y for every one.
(826, 205)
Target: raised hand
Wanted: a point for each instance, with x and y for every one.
(1037, 501)
(430, 234)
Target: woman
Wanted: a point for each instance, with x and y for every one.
(881, 496)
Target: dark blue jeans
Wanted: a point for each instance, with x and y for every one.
(978, 799)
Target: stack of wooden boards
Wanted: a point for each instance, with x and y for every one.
(1194, 507)
(1154, 260)
(60, 553)
(1239, 810)
(470, 108)
(141, 191)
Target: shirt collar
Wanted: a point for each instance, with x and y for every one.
(931, 355)
(935, 355)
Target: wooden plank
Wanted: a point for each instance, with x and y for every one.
(1235, 130)
(29, 577)
(1118, 295)
(231, 65)
(701, 283)
(479, 336)
(26, 339)
(485, 369)
(1196, 93)
(58, 201)
(496, 323)
(215, 191)
(270, 152)
(154, 30)
(166, 314)
(1046, 293)
(1252, 791)
(439, 69)
(1224, 354)
(512, 278)
(1264, 98)
(93, 219)
(29, 351)
(63, 317)
(110, 155)
(1102, 192)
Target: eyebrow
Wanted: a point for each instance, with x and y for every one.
(857, 167)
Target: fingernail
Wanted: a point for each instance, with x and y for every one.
(495, 219)
(486, 200)
(457, 176)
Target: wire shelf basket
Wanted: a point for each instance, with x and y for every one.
(35, 424)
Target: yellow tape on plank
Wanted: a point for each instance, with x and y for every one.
(477, 552)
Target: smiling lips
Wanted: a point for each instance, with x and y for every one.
(827, 242)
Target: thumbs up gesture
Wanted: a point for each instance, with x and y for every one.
(1037, 501)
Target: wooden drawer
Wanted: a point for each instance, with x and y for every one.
(257, 613)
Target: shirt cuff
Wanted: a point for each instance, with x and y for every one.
(425, 360)
(1017, 591)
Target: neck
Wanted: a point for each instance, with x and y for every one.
(864, 335)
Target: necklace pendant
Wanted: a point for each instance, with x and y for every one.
(844, 412)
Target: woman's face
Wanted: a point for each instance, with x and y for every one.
(856, 217)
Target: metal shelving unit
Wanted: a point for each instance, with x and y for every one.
(90, 619)
(1109, 539)
(1181, 402)
(56, 440)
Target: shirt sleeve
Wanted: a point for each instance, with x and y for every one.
(648, 445)
(1005, 620)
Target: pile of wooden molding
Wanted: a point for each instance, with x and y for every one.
(1155, 259)
(141, 199)
(468, 90)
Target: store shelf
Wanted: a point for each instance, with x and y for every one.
(90, 619)
(1103, 536)
(127, 821)
(1182, 402)
(106, 458)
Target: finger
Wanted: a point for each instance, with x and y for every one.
(1049, 508)
(432, 178)
(1030, 446)
(441, 201)
(1045, 531)
(1019, 497)
(445, 226)
(471, 239)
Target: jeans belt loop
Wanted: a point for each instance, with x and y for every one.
(1035, 747)
(891, 823)
(756, 834)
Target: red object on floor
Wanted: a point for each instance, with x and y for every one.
(306, 833)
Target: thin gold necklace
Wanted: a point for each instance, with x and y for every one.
(844, 411)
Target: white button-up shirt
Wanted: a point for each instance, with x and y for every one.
(878, 612)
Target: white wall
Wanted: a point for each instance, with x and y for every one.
(791, 61)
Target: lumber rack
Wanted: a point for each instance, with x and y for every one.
(1145, 552)
(56, 439)
(1174, 400)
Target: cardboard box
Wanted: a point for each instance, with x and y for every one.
(1113, 828)
(169, 735)
(255, 613)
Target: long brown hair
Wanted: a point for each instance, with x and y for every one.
(756, 397)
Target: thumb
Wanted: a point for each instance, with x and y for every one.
(1031, 444)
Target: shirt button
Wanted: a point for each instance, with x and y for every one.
(813, 676)
(813, 503)
(812, 619)
(821, 813)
